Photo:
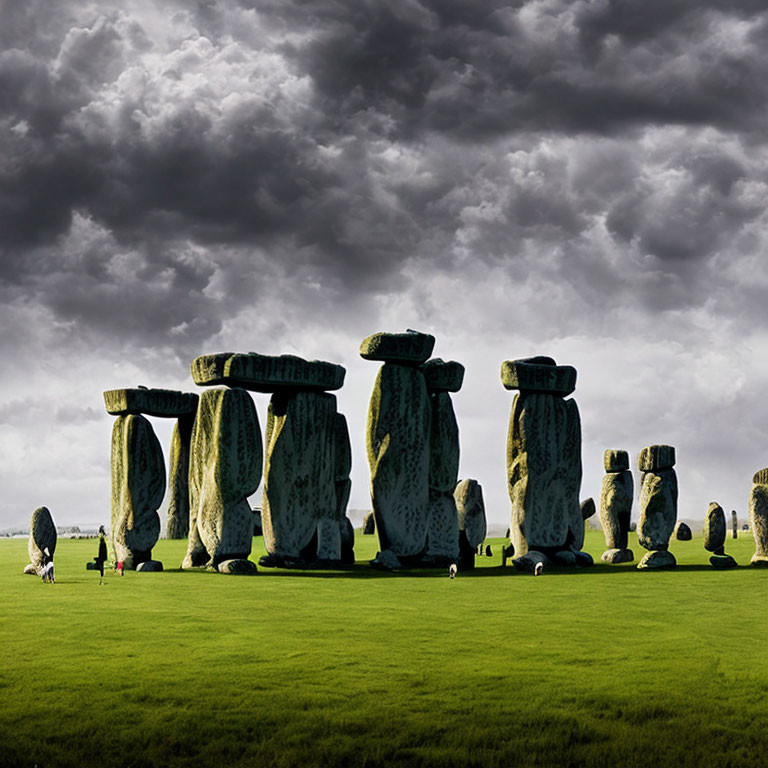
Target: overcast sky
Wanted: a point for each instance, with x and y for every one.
(586, 180)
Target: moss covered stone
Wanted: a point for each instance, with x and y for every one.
(758, 520)
(398, 446)
(616, 494)
(526, 376)
(615, 460)
(657, 560)
(471, 511)
(406, 348)
(442, 376)
(178, 478)
(225, 468)
(267, 373)
(166, 403)
(655, 457)
(715, 529)
(138, 487)
(658, 511)
(42, 536)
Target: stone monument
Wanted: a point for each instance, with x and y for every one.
(658, 505)
(473, 526)
(714, 537)
(758, 517)
(682, 531)
(616, 496)
(42, 536)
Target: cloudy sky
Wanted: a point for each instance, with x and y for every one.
(586, 180)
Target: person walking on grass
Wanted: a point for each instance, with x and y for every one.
(102, 556)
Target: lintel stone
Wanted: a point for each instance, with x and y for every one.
(167, 403)
(538, 377)
(442, 376)
(409, 348)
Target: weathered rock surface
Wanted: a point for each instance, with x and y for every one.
(526, 376)
(544, 473)
(257, 531)
(149, 566)
(443, 530)
(386, 560)
(442, 376)
(528, 562)
(616, 556)
(239, 567)
(615, 460)
(616, 494)
(31, 570)
(267, 373)
(369, 525)
(735, 524)
(225, 468)
(178, 478)
(347, 541)
(397, 439)
(299, 475)
(655, 457)
(42, 535)
(138, 487)
(166, 403)
(657, 560)
(714, 529)
(758, 517)
(682, 531)
(587, 508)
(406, 348)
(471, 511)
(722, 562)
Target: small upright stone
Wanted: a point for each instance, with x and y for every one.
(682, 531)
(758, 517)
(42, 536)
(473, 526)
(616, 495)
(714, 537)
(369, 524)
(178, 478)
(588, 508)
(658, 506)
(735, 524)
(409, 348)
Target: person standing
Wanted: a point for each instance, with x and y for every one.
(102, 556)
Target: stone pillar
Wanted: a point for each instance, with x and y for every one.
(42, 536)
(714, 537)
(735, 524)
(658, 505)
(758, 517)
(342, 469)
(473, 526)
(544, 461)
(398, 443)
(443, 529)
(178, 478)
(616, 496)
(225, 468)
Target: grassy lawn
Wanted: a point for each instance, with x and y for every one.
(606, 666)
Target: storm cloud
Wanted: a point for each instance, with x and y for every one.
(588, 179)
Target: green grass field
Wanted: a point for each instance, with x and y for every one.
(605, 666)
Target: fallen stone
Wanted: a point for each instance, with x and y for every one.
(616, 556)
(267, 373)
(238, 567)
(722, 562)
(544, 473)
(558, 380)
(165, 403)
(470, 508)
(398, 445)
(138, 487)
(615, 460)
(714, 529)
(149, 566)
(369, 525)
(657, 560)
(587, 508)
(225, 468)
(386, 560)
(655, 457)
(527, 562)
(42, 536)
(299, 475)
(682, 531)
(411, 347)
(178, 478)
(442, 376)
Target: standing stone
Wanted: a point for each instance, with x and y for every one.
(300, 499)
(735, 524)
(616, 495)
(682, 531)
(42, 536)
(758, 517)
(658, 505)
(714, 537)
(587, 508)
(257, 530)
(331, 540)
(225, 468)
(369, 524)
(473, 526)
(544, 459)
(178, 478)
(443, 533)
(138, 487)
(398, 443)
(347, 542)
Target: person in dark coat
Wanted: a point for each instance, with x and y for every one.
(102, 556)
